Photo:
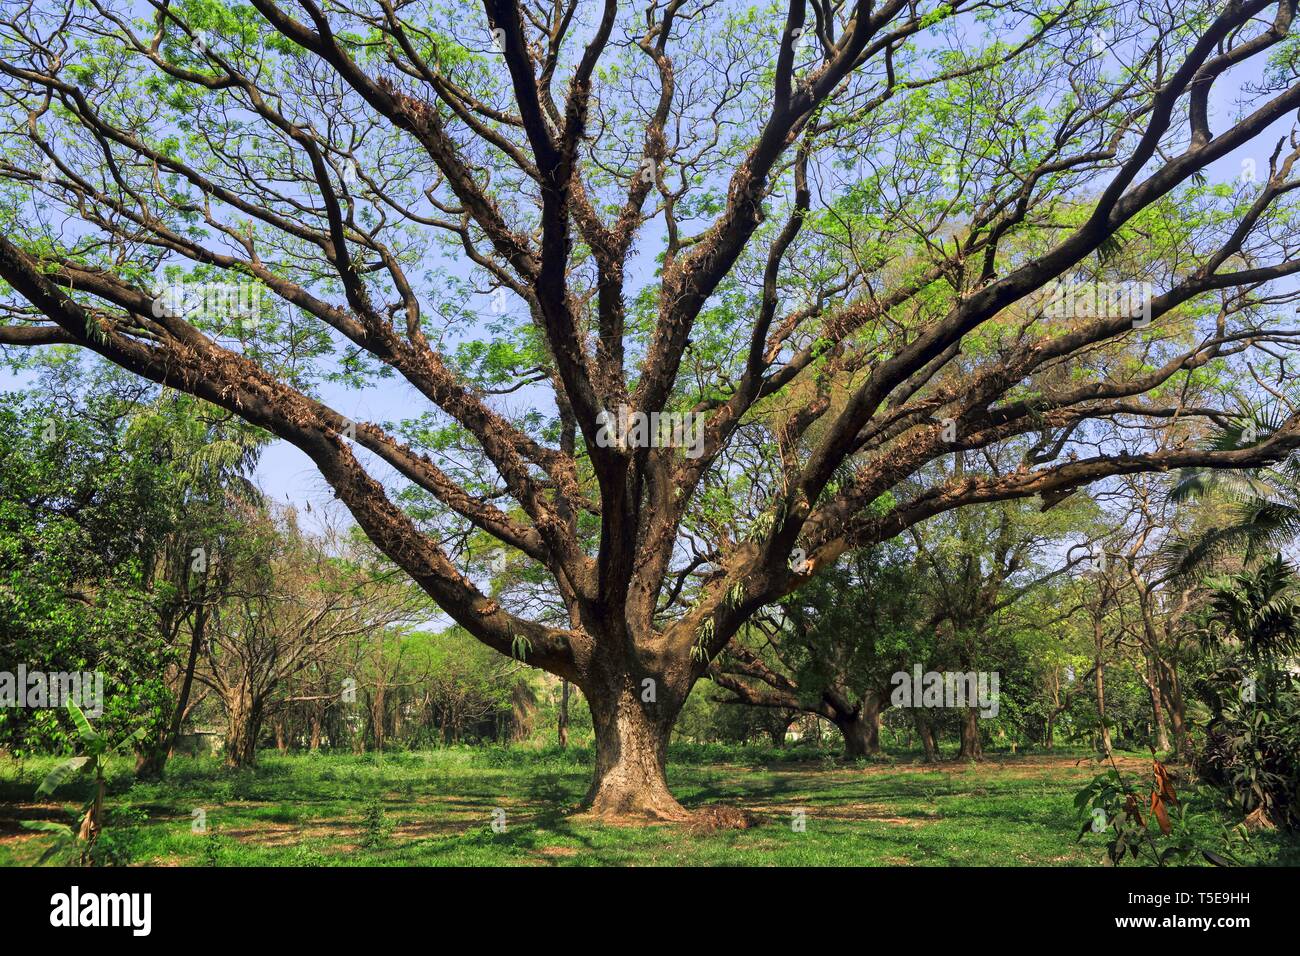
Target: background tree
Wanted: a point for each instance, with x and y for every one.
(1251, 628)
(293, 602)
(977, 564)
(468, 684)
(81, 520)
(834, 646)
(209, 459)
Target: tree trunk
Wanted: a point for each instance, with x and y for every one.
(861, 730)
(860, 737)
(315, 730)
(564, 714)
(1158, 708)
(778, 731)
(1171, 696)
(631, 751)
(151, 762)
(523, 711)
(970, 736)
(378, 705)
(1099, 683)
(926, 733)
(243, 724)
(197, 630)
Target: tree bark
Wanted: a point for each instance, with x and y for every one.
(926, 732)
(564, 714)
(523, 711)
(378, 709)
(779, 730)
(631, 752)
(1099, 684)
(243, 724)
(971, 749)
(152, 762)
(1159, 706)
(861, 730)
(1172, 693)
(197, 631)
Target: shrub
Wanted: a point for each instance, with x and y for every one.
(1252, 754)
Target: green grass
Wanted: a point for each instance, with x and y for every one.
(436, 808)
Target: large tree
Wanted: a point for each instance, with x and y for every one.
(831, 230)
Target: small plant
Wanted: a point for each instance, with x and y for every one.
(116, 845)
(1110, 804)
(211, 850)
(80, 843)
(1252, 755)
(702, 637)
(376, 824)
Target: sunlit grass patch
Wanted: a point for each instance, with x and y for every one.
(437, 808)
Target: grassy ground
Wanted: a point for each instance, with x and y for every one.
(436, 808)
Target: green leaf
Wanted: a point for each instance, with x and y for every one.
(88, 733)
(137, 734)
(47, 826)
(59, 774)
(51, 850)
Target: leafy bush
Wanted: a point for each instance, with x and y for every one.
(376, 824)
(1252, 754)
(1150, 823)
(119, 840)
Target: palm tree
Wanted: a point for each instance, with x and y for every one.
(1262, 504)
(1260, 608)
(1251, 742)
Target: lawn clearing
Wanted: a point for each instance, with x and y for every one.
(438, 808)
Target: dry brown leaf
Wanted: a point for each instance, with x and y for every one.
(1164, 786)
(1158, 809)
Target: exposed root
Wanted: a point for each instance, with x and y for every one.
(709, 819)
(705, 820)
(634, 812)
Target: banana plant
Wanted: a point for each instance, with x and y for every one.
(93, 761)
